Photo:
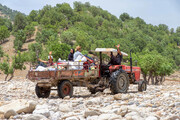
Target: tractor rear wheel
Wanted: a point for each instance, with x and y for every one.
(65, 88)
(119, 82)
(42, 92)
(142, 86)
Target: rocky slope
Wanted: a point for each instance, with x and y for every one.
(18, 101)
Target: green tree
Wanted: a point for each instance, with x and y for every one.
(6, 22)
(6, 67)
(32, 16)
(67, 37)
(4, 33)
(59, 50)
(124, 17)
(20, 22)
(29, 30)
(19, 40)
(1, 52)
(45, 35)
(154, 65)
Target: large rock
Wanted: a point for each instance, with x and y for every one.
(92, 118)
(65, 107)
(121, 96)
(94, 101)
(34, 117)
(151, 118)
(42, 109)
(174, 118)
(18, 106)
(9, 113)
(122, 111)
(90, 113)
(106, 109)
(109, 117)
(72, 118)
(55, 116)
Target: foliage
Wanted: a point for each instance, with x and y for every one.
(4, 33)
(18, 62)
(19, 40)
(1, 52)
(44, 35)
(6, 67)
(59, 50)
(154, 65)
(67, 37)
(29, 30)
(35, 50)
(20, 22)
(61, 27)
(9, 13)
(6, 22)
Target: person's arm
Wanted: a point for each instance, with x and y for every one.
(118, 50)
(42, 60)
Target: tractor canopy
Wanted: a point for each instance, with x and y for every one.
(109, 50)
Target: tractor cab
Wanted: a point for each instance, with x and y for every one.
(106, 70)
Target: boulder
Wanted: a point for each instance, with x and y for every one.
(151, 118)
(90, 113)
(92, 118)
(19, 106)
(121, 96)
(55, 116)
(34, 117)
(72, 118)
(42, 110)
(174, 118)
(94, 101)
(122, 111)
(65, 107)
(10, 113)
(109, 116)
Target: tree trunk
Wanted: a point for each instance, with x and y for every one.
(144, 76)
(6, 77)
(150, 75)
(156, 80)
(152, 79)
(12, 75)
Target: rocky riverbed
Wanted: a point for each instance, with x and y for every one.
(18, 101)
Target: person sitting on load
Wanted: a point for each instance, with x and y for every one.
(48, 63)
(116, 60)
(71, 54)
(78, 53)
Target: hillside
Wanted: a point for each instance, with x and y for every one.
(60, 28)
(6, 12)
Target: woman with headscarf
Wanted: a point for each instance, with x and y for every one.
(70, 56)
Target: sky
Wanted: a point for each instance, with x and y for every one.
(152, 11)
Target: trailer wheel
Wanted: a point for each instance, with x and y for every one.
(42, 92)
(65, 88)
(142, 86)
(119, 82)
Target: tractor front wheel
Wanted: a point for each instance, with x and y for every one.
(119, 82)
(65, 88)
(42, 92)
(142, 86)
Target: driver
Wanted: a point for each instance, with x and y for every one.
(116, 60)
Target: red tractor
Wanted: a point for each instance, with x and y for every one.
(96, 78)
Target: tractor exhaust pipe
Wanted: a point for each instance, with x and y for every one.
(130, 61)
